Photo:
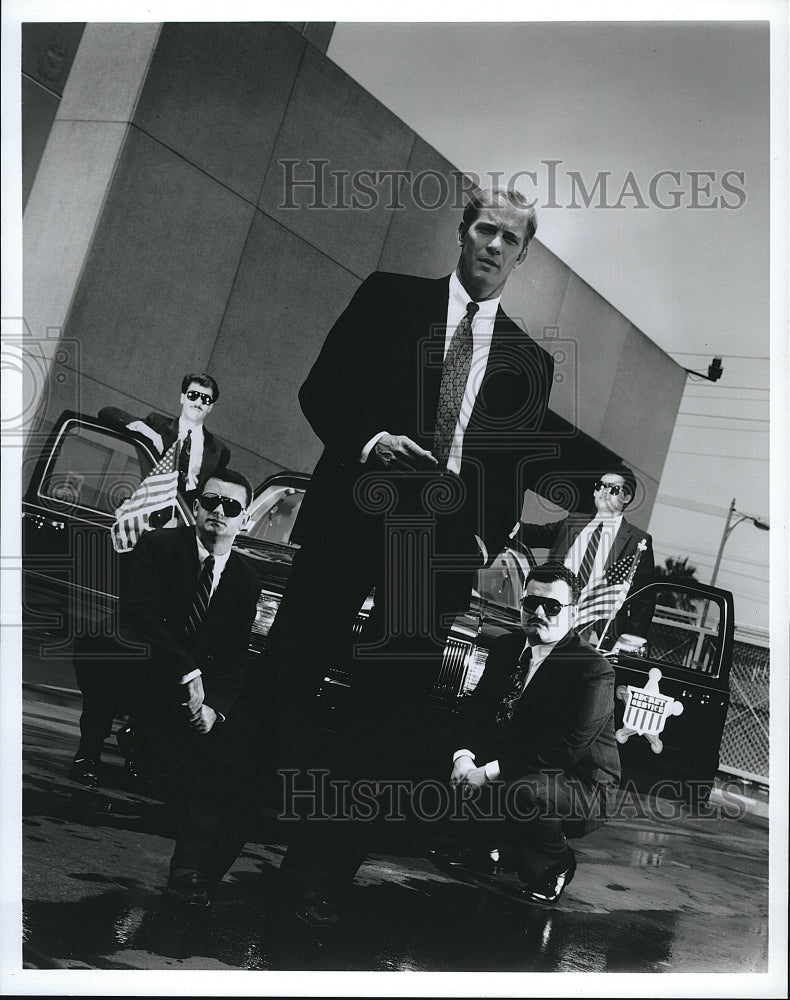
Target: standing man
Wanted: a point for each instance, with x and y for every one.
(591, 546)
(429, 401)
(202, 453)
(191, 601)
(541, 724)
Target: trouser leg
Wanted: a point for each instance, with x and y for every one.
(536, 807)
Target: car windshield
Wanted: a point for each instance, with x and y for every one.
(273, 514)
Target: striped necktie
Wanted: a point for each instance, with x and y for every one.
(589, 555)
(455, 373)
(515, 690)
(202, 597)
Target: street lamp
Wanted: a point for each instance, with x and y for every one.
(728, 530)
(729, 527)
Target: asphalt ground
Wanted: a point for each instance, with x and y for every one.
(657, 891)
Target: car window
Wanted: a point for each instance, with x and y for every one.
(503, 581)
(685, 631)
(93, 469)
(273, 514)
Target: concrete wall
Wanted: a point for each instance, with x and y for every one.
(195, 261)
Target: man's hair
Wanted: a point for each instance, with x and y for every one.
(493, 197)
(554, 572)
(626, 475)
(231, 476)
(202, 379)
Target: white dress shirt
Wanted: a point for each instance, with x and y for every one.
(482, 334)
(539, 653)
(195, 450)
(573, 560)
(219, 565)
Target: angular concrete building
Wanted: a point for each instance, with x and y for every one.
(193, 202)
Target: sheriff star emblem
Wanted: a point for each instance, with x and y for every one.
(646, 711)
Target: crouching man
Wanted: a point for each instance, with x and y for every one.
(537, 734)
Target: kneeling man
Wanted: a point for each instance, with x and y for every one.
(539, 727)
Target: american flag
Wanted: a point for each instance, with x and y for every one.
(601, 599)
(155, 492)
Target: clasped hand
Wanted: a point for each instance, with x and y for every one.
(464, 772)
(397, 451)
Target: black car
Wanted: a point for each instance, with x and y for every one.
(672, 685)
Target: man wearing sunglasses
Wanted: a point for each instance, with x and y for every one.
(592, 545)
(541, 724)
(202, 453)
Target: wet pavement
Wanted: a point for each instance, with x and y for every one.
(653, 894)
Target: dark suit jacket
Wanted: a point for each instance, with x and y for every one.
(216, 453)
(156, 600)
(559, 536)
(380, 370)
(563, 721)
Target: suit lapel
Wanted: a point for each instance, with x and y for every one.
(620, 543)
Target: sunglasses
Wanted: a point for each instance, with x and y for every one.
(193, 394)
(614, 488)
(550, 605)
(230, 507)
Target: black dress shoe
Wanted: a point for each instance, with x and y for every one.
(476, 860)
(315, 910)
(549, 887)
(85, 770)
(188, 886)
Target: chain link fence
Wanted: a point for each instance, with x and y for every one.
(744, 747)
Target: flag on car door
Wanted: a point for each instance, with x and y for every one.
(156, 493)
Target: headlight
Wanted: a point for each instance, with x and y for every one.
(268, 603)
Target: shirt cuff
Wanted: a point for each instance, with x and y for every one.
(370, 446)
(492, 770)
(462, 753)
(190, 676)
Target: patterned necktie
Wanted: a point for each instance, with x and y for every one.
(202, 597)
(589, 556)
(514, 691)
(455, 373)
(183, 461)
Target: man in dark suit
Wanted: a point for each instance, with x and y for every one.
(591, 546)
(429, 401)
(539, 727)
(194, 665)
(202, 453)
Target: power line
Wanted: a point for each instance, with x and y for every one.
(706, 354)
(719, 387)
(709, 454)
(723, 416)
(741, 430)
(725, 557)
(685, 503)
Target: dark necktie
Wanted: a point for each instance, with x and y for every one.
(589, 556)
(202, 597)
(514, 691)
(455, 373)
(183, 461)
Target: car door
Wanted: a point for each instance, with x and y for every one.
(672, 691)
(70, 571)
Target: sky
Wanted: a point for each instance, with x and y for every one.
(627, 102)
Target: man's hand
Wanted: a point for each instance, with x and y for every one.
(204, 720)
(461, 767)
(397, 451)
(476, 777)
(142, 428)
(192, 695)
